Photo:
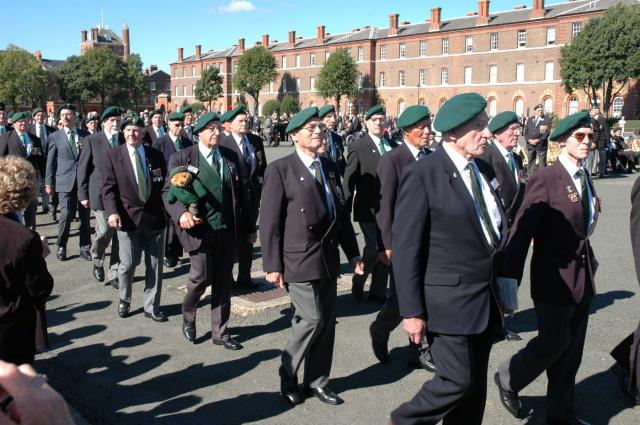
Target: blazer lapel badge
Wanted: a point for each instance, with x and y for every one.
(572, 195)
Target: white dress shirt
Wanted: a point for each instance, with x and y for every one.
(132, 158)
(506, 155)
(376, 141)
(572, 169)
(308, 162)
(205, 151)
(41, 132)
(414, 151)
(28, 143)
(252, 155)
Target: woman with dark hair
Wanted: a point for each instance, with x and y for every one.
(25, 282)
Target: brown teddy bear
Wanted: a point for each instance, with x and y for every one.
(187, 190)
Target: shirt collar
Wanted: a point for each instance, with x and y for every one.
(414, 151)
(306, 159)
(172, 137)
(501, 148)
(458, 160)
(237, 138)
(572, 169)
(205, 150)
(140, 149)
(375, 139)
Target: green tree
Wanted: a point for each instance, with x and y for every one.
(604, 56)
(197, 107)
(289, 105)
(134, 82)
(209, 86)
(255, 69)
(271, 106)
(22, 79)
(338, 77)
(105, 72)
(72, 82)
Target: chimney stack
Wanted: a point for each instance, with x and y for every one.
(393, 23)
(435, 19)
(125, 41)
(198, 51)
(38, 55)
(265, 40)
(320, 33)
(292, 39)
(94, 34)
(84, 35)
(180, 54)
(483, 12)
(241, 45)
(538, 9)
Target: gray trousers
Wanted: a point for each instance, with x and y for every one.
(131, 246)
(46, 199)
(532, 154)
(68, 206)
(378, 270)
(313, 329)
(104, 235)
(590, 161)
(245, 258)
(557, 349)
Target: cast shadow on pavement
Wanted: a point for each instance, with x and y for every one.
(67, 313)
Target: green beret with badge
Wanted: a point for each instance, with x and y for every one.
(326, 109)
(502, 120)
(176, 116)
(36, 111)
(65, 106)
(301, 118)
(205, 120)
(458, 110)
(413, 115)
(155, 112)
(186, 189)
(570, 123)
(376, 110)
(185, 109)
(132, 120)
(17, 116)
(230, 115)
(111, 111)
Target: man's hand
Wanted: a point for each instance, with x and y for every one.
(114, 221)
(45, 247)
(49, 190)
(385, 257)
(415, 327)
(357, 265)
(533, 142)
(85, 203)
(275, 278)
(253, 237)
(187, 221)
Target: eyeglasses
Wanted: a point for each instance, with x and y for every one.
(580, 136)
(311, 127)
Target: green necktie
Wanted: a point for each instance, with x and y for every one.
(383, 148)
(72, 144)
(40, 134)
(143, 191)
(586, 207)
(23, 138)
(482, 206)
(177, 144)
(114, 142)
(216, 162)
(512, 166)
(317, 174)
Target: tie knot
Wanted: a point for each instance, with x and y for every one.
(580, 173)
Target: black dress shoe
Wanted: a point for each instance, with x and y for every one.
(113, 282)
(623, 380)
(229, 343)
(289, 389)
(123, 309)
(170, 262)
(156, 317)
(509, 399)
(189, 330)
(85, 255)
(61, 254)
(422, 363)
(98, 273)
(511, 336)
(325, 395)
(378, 299)
(379, 340)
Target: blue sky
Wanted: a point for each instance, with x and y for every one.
(158, 28)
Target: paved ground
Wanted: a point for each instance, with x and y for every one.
(135, 371)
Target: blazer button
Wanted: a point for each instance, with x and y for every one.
(301, 210)
(310, 227)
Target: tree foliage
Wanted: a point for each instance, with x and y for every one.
(338, 77)
(209, 86)
(255, 69)
(289, 105)
(604, 56)
(22, 79)
(106, 72)
(271, 106)
(134, 82)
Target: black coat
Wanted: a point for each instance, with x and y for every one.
(442, 263)
(10, 144)
(540, 132)
(340, 159)
(120, 190)
(298, 239)
(601, 126)
(91, 168)
(165, 145)
(361, 176)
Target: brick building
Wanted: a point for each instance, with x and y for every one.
(158, 82)
(510, 57)
(103, 36)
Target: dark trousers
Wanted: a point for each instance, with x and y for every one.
(557, 349)
(457, 393)
(378, 270)
(18, 336)
(602, 158)
(245, 258)
(30, 214)
(172, 245)
(212, 264)
(313, 330)
(532, 154)
(627, 356)
(68, 206)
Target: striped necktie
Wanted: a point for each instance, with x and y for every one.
(143, 190)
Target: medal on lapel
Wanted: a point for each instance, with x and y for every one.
(573, 196)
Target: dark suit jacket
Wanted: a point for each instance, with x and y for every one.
(165, 145)
(634, 355)
(442, 262)
(251, 179)
(297, 236)
(562, 262)
(361, 175)
(91, 168)
(390, 169)
(150, 135)
(601, 125)
(510, 193)
(120, 190)
(191, 239)
(532, 131)
(185, 134)
(340, 160)
(10, 144)
(62, 166)
(49, 130)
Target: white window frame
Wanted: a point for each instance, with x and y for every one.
(493, 41)
(312, 59)
(519, 72)
(284, 62)
(381, 79)
(402, 78)
(468, 75)
(297, 61)
(402, 50)
(616, 106)
(152, 85)
(383, 52)
(468, 44)
(422, 77)
(445, 46)
(423, 48)
(549, 70)
(493, 107)
(551, 36)
(444, 76)
(360, 54)
(298, 85)
(574, 105)
(493, 74)
(522, 39)
(576, 27)
(312, 83)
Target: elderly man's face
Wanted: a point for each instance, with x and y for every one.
(92, 125)
(39, 118)
(239, 124)
(329, 120)
(508, 136)
(538, 112)
(67, 117)
(112, 125)
(472, 136)
(309, 137)
(578, 144)
(20, 125)
(418, 134)
(133, 135)
(376, 125)
(210, 135)
(188, 118)
(156, 120)
(175, 127)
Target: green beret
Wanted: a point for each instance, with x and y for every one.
(326, 109)
(617, 129)
(412, 115)
(155, 112)
(176, 170)
(35, 111)
(378, 109)
(538, 106)
(132, 120)
(205, 120)
(17, 116)
(301, 118)
(459, 110)
(111, 111)
(92, 118)
(176, 116)
(570, 123)
(230, 115)
(502, 120)
(185, 109)
(66, 106)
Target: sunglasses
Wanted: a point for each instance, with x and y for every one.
(580, 136)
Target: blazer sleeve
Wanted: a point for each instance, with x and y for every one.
(272, 219)
(410, 242)
(52, 164)
(85, 162)
(351, 173)
(176, 209)
(388, 192)
(37, 278)
(635, 225)
(110, 192)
